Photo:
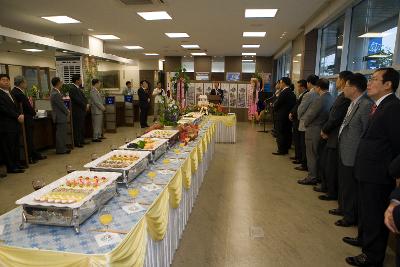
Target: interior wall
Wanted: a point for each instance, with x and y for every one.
(21, 59)
(126, 73)
(149, 64)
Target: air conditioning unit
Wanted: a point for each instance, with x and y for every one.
(68, 66)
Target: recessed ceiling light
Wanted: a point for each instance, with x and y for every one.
(19, 41)
(260, 13)
(65, 51)
(190, 46)
(249, 54)
(339, 47)
(90, 30)
(298, 55)
(199, 54)
(254, 34)
(247, 60)
(374, 35)
(133, 47)
(296, 61)
(106, 36)
(151, 54)
(32, 50)
(61, 19)
(378, 56)
(177, 35)
(250, 46)
(156, 15)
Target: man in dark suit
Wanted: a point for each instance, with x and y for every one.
(18, 93)
(79, 105)
(379, 145)
(298, 142)
(144, 103)
(329, 132)
(217, 91)
(282, 106)
(60, 115)
(354, 124)
(10, 120)
(316, 116)
(392, 213)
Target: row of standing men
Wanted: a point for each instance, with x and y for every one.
(350, 149)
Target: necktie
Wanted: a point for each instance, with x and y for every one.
(373, 109)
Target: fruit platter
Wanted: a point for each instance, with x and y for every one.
(70, 200)
(188, 132)
(156, 146)
(192, 117)
(128, 163)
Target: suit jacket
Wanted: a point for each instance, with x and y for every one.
(59, 110)
(294, 110)
(318, 112)
(78, 100)
(394, 168)
(27, 108)
(336, 115)
(96, 100)
(308, 98)
(284, 104)
(9, 113)
(379, 144)
(353, 127)
(217, 92)
(143, 98)
(396, 211)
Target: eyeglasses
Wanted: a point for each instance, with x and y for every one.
(374, 80)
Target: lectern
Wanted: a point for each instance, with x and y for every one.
(215, 99)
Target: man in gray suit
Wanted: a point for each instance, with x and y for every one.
(316, 115)
(354, 124)
(60, 114)
(97, 109)
(308, 98)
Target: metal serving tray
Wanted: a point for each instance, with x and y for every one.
(35, 212)
(128, 173)
(159, 149)
(171, 135)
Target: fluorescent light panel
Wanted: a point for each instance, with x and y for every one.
(106, 37)
(249, 54)
(254, 34)
(260, 13)
(177, 34)
(190, 46)
(155, 15)
(32, 50)
(199, 54)
(339, 47)
(151, 54)
(374, 35)
(250, 46)
(247, 60)
(133, 47)
(378, 56)
(61, 19)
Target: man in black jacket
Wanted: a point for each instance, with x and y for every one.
(282, 106)
(299, 140)
(329, 132)
(217, 91)
(79, 108)
(10, 119)
(144, 103)
(18, 93)
(378, 146)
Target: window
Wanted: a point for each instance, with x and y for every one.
(373, 34)
(331, 48)
(188, 64)
(218, 64)
(248, 65)
(284, 64)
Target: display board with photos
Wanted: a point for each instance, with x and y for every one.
(233, 94)
(207, 88)
(198, 90)
(241, 96)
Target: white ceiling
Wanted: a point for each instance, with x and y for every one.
(215, 25)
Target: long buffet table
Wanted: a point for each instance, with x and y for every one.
(152, 234)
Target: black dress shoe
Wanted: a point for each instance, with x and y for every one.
(352, 241)
(40, 157)
(336, 212)
(344, 223)
(327, 198)
(79, 145)
(296, 162)
(16, 171)
(301, 168)
(279, 153)
(66, 152)
(2, 175)
(319, 189)
(360, 260)
(96, 140)
(308, 181)
(32, 161)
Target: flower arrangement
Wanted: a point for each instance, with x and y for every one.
(33, 92)
(216, 109)
(180, 75)
(170, 112)
(188, 132)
